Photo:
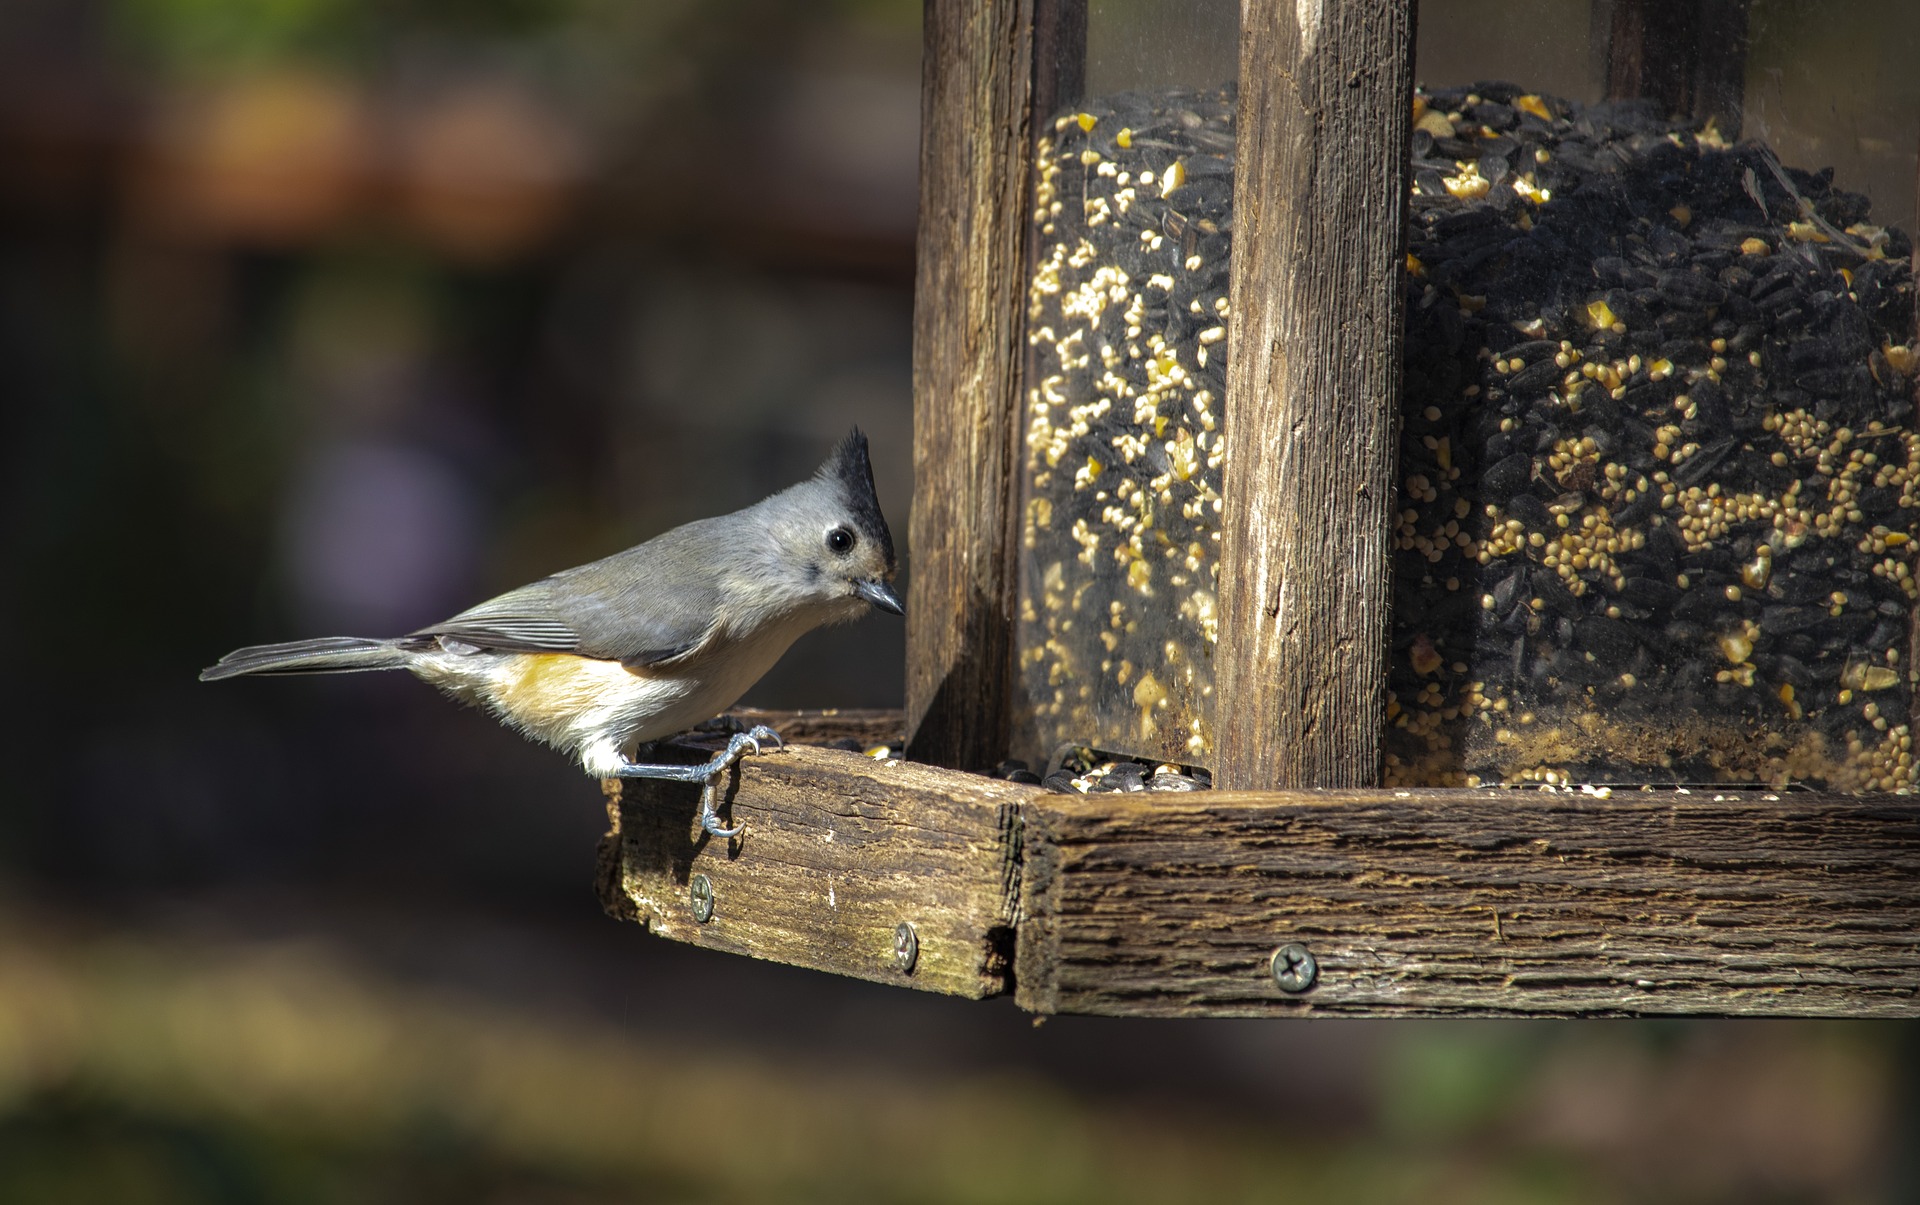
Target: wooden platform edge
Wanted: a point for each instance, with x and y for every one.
(1487, 902)
(878, 869)
(1490, 902)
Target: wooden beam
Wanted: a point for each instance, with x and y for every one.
(1313, 385)
(839, 851)
(1688, 56)
(865, 726)
(975, 159)
(1519, 903)
(1411, 902)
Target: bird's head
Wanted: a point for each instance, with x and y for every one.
(830, 539)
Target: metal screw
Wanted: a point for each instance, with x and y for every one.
(906, 947)
(1294, 967)
(700, 891)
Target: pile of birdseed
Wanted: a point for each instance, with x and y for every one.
(1089, 772)
(1127, 369)
(1658, 466)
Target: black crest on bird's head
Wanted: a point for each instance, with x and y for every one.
(850, 469)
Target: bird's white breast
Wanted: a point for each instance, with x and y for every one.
(600, 710)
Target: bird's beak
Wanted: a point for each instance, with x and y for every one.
(881, 595)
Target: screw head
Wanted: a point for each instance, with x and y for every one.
(1294, 968)
(700, 892)
(906, 947)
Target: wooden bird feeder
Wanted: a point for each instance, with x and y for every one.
(1315, 634)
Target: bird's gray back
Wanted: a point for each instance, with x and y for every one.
(651, 603)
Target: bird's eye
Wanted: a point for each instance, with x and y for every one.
(840, 540)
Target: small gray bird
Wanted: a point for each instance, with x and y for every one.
(648, 642)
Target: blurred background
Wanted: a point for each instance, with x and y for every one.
(328, 316)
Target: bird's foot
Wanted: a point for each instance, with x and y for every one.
(717, 767)
(709, 774)
(710, 819)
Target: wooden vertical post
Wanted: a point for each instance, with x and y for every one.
(976, 149)
(1313, 387)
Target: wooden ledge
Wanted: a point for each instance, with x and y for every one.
(839, 851)
(1423, 902)
(865, 726)
(1514, 902)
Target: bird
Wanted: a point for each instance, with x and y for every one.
(601, 659)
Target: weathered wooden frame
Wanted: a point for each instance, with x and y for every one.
(1570, 902)
(1413, 903)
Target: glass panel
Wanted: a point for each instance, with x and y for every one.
(1839, 86)
(1125, 376)
(1659, 464)
(1158, 45)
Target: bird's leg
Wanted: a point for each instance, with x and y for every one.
(708, 774)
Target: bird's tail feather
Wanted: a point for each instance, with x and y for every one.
(326, 655)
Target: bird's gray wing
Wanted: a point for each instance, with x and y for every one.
(522, 620)
(643, 606)
(652, 603)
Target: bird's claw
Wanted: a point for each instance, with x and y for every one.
(722, 762)
(710, 819)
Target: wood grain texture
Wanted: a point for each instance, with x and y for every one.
(1415, 903)
(975, 160)
(867, 725)
(839, 849)
(1313, 386)
(1474, 903)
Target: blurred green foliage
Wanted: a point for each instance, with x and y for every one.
(1445, 1083)
(190, 38)
(153, 1067)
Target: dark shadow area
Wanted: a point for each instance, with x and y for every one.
(965, 723)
